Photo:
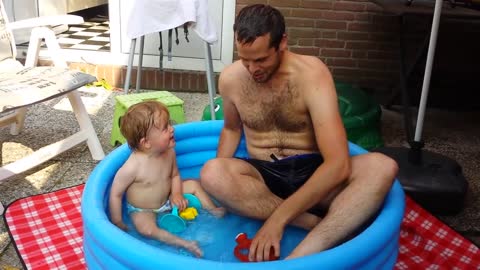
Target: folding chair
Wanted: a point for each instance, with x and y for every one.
(25, 85)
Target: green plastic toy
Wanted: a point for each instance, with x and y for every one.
(218, 110)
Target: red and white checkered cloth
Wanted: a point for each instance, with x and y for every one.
(427, 243)
(47, 231)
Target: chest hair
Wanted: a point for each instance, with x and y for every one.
(267, 108)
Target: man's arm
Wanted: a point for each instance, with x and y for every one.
(321, 100)
(232, 127)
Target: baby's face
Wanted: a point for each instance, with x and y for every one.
(161, 138)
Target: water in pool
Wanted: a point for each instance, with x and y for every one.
(216, 236)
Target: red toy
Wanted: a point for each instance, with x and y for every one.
(243, 243)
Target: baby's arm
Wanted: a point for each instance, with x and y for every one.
(124, 177)
(176, 194)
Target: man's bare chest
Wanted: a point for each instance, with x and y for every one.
(273, 109)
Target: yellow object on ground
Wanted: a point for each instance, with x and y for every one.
(7, 267)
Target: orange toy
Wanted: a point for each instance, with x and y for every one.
(243, 243)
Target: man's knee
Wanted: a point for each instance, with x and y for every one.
(377, 162)
(211, 173)
(379, 166)
(386, 168)
(385, 164)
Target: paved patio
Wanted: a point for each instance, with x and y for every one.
(444, 133)
(72, 167)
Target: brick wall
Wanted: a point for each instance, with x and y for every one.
(152, 78)
(358, 42)
(361, 45)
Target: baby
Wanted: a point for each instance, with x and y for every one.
(150, 176)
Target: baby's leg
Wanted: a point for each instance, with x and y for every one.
(194, 187)
(146, 225)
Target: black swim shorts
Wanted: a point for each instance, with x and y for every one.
(284, 177)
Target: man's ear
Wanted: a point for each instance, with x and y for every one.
(283, 43)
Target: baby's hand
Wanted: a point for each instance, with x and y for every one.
(193, 247)
(179, 201)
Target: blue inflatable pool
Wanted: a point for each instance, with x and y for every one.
(107, 247)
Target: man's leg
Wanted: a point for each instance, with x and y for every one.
(239, 187)
(371, 179)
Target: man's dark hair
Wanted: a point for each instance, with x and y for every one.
(257, 20)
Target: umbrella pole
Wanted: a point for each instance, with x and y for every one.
(428, 70)
(415, 153)
(435, 181)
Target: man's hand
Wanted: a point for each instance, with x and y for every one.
(178, 200)
(267, 237)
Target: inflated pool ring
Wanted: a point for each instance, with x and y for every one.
(107, 247)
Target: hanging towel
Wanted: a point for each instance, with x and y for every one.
(151, 16)
(204, 26)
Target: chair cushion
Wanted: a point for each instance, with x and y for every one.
(28, 86)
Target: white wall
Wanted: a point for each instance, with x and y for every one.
(187, 56)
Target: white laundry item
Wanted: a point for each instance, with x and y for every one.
(151, 16)
(204, 26)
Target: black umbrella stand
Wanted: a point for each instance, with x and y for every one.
(434, 181)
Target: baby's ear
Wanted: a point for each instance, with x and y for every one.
(144, 144)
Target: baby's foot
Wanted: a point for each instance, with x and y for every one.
(218, 211)
(193, 247)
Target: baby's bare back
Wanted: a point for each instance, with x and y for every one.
(153, 181)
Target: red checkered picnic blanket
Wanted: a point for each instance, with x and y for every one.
(427, 243)
(47, 231)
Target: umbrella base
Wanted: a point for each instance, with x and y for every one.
(434, 181)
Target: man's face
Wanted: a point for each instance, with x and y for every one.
(261, 60)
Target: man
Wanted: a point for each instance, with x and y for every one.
(299, 171)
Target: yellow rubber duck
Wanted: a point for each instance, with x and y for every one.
(189, 213)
